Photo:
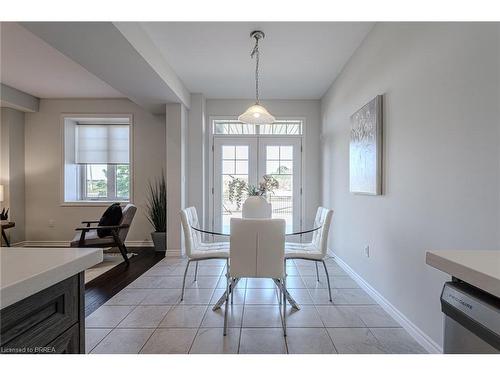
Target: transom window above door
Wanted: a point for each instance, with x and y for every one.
(97, 154)
(279, 127)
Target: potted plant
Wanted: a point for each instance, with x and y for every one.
(256, 204)
(157, 212)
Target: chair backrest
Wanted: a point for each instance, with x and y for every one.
(257, 248)
(320, 237)
(190, 239)
(128, 214)
(195, 223)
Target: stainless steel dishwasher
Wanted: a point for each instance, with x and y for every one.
(472, 319)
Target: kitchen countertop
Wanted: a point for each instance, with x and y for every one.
(476, 267)
(25, 271)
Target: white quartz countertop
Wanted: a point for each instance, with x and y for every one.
(476, 267)
(25, 271)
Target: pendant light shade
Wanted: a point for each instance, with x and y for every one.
(256, 114)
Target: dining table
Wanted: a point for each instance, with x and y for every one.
(227, 233)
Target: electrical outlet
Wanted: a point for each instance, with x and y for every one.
(367, 251)
(52, 223)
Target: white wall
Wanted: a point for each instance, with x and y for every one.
(441, 157)
(310, 110)
(43, 151)
(12, 170)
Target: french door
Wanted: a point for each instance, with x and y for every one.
(248, 159)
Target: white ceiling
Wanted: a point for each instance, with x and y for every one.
(31, 65)
(299, 60)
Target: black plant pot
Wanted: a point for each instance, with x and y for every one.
(159, 240)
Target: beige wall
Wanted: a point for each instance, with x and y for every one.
(441, 164)
(12, 169)
(43, 166)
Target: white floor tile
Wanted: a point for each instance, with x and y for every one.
(216, 318)
(202, 282)
(375, 316)
(184, 316)
(239, 296)
(128, 297)
(212, 341)
(301, 296)
(355, 341)
(123, 341)
(396, 341)
(107, 316)
(261, 316)
(307, 316)
(262, 341)
(197, 296)
(339, 316)
(309, 341)
(261, 297)
(145, 317)
(93, 336)
(162, 297)
(254, 283)
(170, 341)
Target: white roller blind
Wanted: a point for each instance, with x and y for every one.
(102, 144)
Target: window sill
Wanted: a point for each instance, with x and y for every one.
(92, 203)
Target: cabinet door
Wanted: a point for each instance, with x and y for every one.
(37, 320)
(67, 343)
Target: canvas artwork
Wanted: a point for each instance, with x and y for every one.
(365, 149)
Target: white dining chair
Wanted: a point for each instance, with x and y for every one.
(196, 250)
(316, 250)
(257, 250)
(195, 223)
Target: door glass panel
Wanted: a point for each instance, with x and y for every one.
(242, 152)
(228, 167)
(272, 166)
(238, 159)
(228, 152)
(242, 167)
(279, 164)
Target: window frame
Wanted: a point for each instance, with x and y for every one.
(62, 143)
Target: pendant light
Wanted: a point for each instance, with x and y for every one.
(256, 114)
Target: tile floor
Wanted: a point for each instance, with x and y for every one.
(148, 316)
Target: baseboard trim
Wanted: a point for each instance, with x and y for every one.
(422, 338)
(173, 253)
(145, 243)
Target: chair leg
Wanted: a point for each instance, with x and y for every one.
(184, 279)
(196, 271)
(121, 246)
(232, 292)
(284, 306)
(317, 272)
(227, 299)
(327, 279)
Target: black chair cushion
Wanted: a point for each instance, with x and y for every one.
(112, 216)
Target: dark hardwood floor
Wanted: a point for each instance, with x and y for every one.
(105, 286)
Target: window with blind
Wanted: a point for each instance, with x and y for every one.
(97, 159)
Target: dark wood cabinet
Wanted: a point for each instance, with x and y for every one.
(50, 321)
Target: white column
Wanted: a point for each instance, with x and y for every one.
(176, 117)
(195, 185)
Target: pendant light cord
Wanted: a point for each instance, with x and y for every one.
(255, 52)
